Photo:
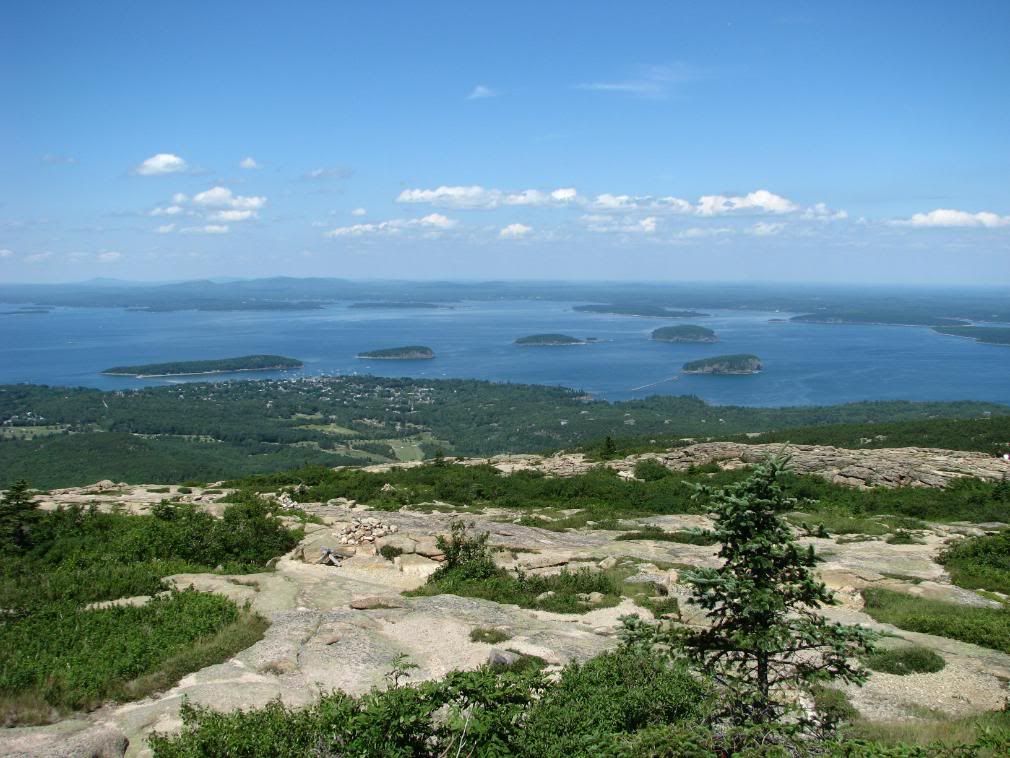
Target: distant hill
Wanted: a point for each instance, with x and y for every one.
(216, 366)
(396, 304)
(742, 363)
(644, 309)
(684, 333)
(407, 353)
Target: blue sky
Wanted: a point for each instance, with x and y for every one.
(773, 141)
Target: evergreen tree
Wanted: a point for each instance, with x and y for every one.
(17, 512)
(766, 643)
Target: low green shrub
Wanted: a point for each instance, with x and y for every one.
(389, 552)
(988, 627)
(488, 635)
(903, 537)
(905, 660)
(683, 536)
(980, 562)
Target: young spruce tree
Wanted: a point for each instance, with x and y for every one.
(766, 642)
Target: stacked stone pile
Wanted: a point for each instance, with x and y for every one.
(365, 530)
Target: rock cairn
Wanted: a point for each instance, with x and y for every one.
(365, 530)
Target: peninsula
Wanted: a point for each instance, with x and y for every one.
(684, 333)
(407, 353)
(989, 335)
(218, 366)
(646, 310)
(549, 340)
(742, 363)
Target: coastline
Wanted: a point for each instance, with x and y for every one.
(201, 373)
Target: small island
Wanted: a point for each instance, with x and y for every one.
(218, 366)
(988, 335)
(731, 365)
(646, 310)
(549, 340)
(407, 353)
(684, 333)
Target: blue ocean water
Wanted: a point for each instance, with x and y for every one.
(803, 363)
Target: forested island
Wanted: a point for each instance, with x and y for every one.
(646, 310)
(684, 333)
(989, 335)
(549, 340)
(217, 366)
(742, 363)
(406, 353)
(396, 304)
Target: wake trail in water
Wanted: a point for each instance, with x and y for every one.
(654, 384)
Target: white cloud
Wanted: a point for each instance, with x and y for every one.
(206, 229)
(5, 253)
(766, 229)
(248, 162)
(760, 200)
(431, 222)
(233, 215)
(477, 197)
(165, 229)
(168, 210)
(515, 231)
(162, 163)
(822, 212)
(473, 196)
(110, 257)
(222, 197)
(359, 212)
(947, 217)
(481, 92)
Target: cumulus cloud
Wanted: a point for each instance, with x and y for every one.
(822, 212)
(165, 229)
(161, 163)
(233, 215)
(431, 222)
(5, 253)
(948, 217)
(477, 197)
(248, 163)
(222, 197)
(359, 212)
(109, 257)
(481, 92)
(514, 231)
(760, 200)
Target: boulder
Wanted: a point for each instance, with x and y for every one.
(415, 565)
(498, 657)
(373, 602)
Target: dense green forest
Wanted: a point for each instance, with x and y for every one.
(207, 431)
(215, 366)
(549, 340)
(684, 333)
(741, 363)
(405, 353)
(990, 335)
